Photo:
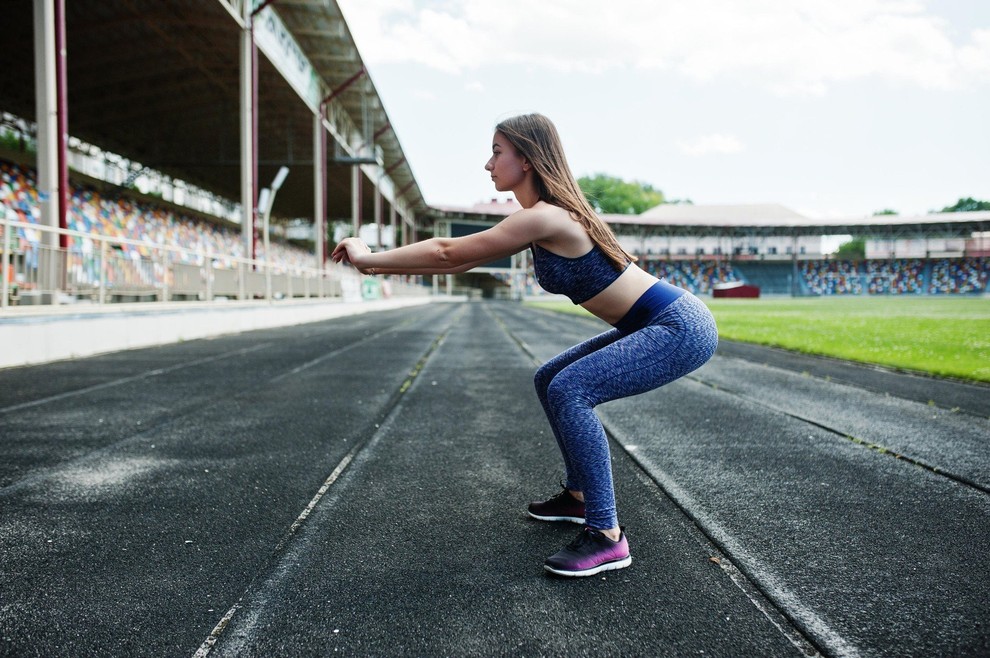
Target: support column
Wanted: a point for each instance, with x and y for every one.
(794, 267)
(319, 190)
(391, 223)
(378, 210)
(50, 108)
(248, 130)
(356, 200)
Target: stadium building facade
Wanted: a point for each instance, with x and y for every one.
(768, 246)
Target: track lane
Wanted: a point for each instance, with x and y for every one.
(845, 541)
(423, 546)
(902, 423)
(868, 554)
(949, 443)
(138, 548)
(70, 423)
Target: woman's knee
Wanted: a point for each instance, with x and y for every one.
(544, 375)
(564, 391)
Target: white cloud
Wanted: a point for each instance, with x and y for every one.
(790, 46)
(708, 144)
(475, 86)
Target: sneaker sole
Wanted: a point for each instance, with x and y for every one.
(607, 566)
(572, 519)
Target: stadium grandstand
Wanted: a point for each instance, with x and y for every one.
(139, 149)
(170, 123)
(774, 248)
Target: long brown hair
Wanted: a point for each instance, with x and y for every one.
(536, 139)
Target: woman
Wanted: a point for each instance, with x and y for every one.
(660, 333)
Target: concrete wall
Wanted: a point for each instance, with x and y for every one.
(29, 336)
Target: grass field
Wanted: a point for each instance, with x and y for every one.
(941, 336)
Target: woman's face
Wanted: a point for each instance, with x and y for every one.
(507, 166)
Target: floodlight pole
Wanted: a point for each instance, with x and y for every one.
(265, 202)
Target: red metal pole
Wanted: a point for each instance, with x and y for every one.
(322, 164)
(62, 120)
(254, 139)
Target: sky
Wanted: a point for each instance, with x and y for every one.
(833, 108)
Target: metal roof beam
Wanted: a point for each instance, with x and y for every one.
(342, 87)
(194, 59)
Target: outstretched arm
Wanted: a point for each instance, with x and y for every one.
(449, 255)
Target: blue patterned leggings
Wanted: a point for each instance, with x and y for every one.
(678, 339)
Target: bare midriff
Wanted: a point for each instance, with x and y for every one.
(612, 304)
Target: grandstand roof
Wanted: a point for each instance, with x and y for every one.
(750, 219)
(157, 81)
(718, 215)
(767, 218)
(495, 207)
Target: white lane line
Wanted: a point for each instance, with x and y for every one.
(329, 355)
(724, 562)
(880, 449)
(362, 449)
(708, 527)
(189, 364)
(217, 631)
(132, 378)
(783, 599)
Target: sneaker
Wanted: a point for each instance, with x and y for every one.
(590, 553)
(562, 507)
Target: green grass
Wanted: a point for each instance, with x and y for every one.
(948, 337)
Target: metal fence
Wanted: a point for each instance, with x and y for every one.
(45, 265)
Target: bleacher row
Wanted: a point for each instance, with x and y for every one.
(900, 276)
(92, 212)
(95, 213)
(896, 276)
(697, 276)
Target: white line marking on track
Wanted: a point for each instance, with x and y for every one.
(361, 449)
(132, 378)
(782, 598)
(336, 352)
(217, 631)
(731, 550)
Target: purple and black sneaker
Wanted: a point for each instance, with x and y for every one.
(590, 553)
(562, 507)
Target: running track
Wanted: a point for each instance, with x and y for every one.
(358, 486)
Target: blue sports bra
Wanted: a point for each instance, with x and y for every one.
(579, 278)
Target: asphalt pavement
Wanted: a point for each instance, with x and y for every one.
(358, 486)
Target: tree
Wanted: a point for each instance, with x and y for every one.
(968, 204)
(608, 194)
(885, 211)
(855, 249)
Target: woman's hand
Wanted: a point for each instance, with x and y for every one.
(353, 251)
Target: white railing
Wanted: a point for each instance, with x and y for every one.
(96, 268)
